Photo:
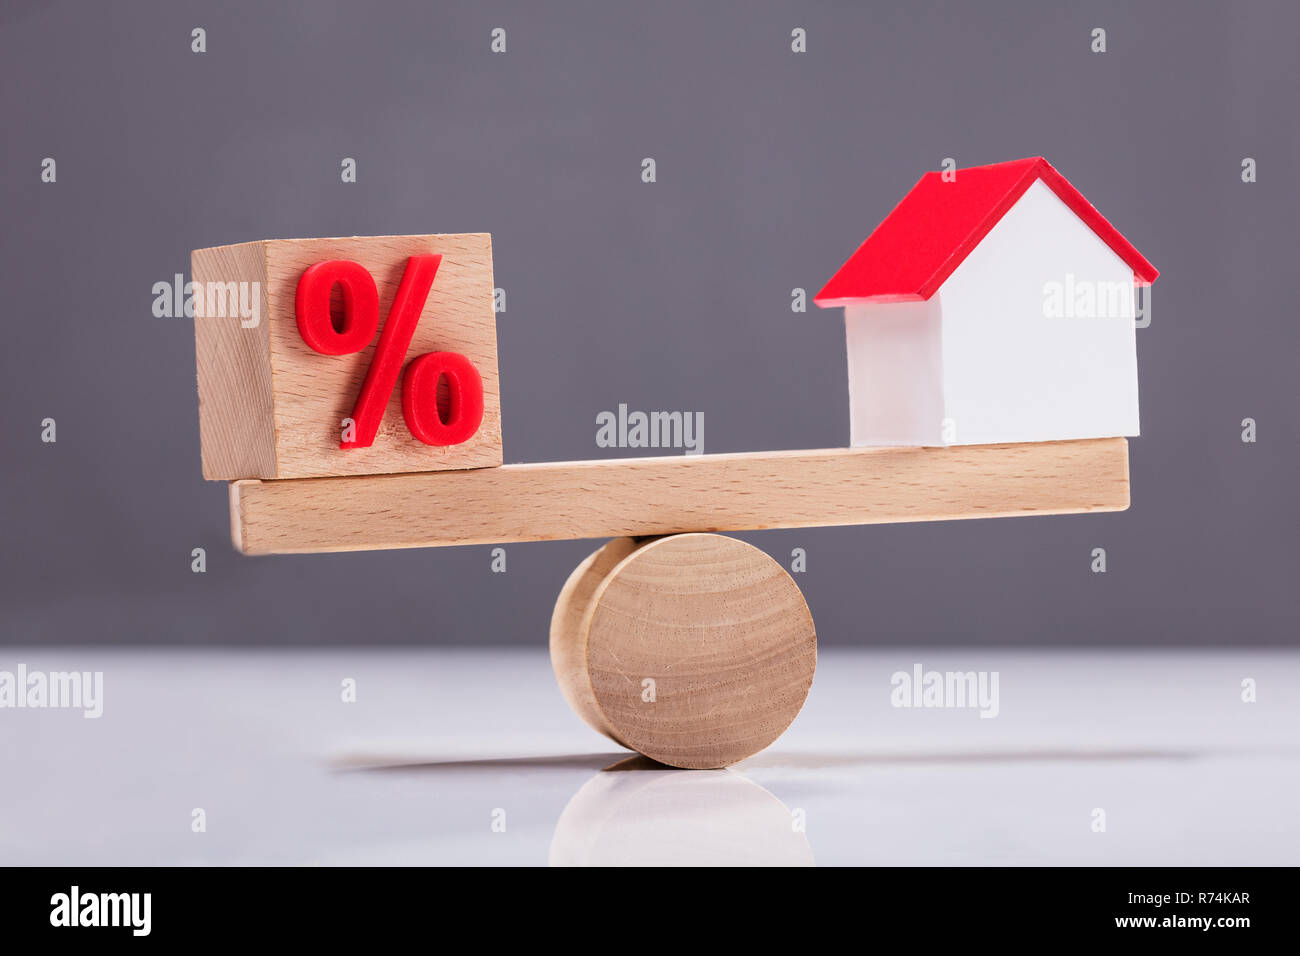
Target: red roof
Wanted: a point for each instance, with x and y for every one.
(938, 223)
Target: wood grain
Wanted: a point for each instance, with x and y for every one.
(699, 651)
(236, 408)
(569, 636)
(659, 496)
(270, 407)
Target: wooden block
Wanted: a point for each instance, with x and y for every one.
(696, 650)
(658, 496)
(271, 407)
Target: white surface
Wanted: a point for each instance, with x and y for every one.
(895, 352)
(437, 741)
(985, 356)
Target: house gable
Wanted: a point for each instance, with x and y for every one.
(1038, 339)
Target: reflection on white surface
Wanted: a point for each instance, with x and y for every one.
(416, 771)
(639, 814)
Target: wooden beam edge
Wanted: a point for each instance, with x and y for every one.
(652, 496)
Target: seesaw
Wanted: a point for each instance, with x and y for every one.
(969, 399)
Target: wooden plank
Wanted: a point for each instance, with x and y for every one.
(271, 407)
(654, 496)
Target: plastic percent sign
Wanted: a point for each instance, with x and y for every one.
(357, 330)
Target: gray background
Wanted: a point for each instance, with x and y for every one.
(772, 167)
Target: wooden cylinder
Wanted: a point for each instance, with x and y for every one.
(696, 650)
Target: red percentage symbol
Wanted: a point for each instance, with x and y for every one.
(360, 322)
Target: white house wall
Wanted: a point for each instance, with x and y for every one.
(1012, 370)
(895, 373)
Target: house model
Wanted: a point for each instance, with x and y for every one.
(994, 304)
